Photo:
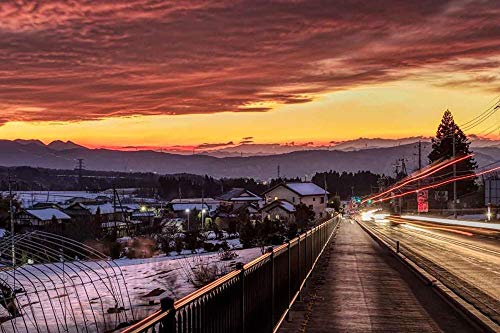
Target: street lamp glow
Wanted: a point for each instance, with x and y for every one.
(143, 208)
(187, 210)
(203, 211)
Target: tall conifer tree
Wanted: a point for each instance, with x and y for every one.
(442, 148)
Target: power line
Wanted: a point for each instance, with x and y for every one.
(481, 118)
(483, 113)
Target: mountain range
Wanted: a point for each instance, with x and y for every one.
(363, 154)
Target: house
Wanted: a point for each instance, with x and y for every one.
(180, 206)
(85, 212)
(239, 197)
(42, 216)
(306, 193)
(281, 210)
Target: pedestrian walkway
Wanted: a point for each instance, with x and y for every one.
(359, 287)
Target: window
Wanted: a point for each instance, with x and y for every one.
(322, 200)
(311, 206)
(314, 199)
(293, 199)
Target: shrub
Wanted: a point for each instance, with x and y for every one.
(179, 245)
(227, 255)
(115, 250)
(208, 247)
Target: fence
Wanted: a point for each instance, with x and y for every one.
(254, 298)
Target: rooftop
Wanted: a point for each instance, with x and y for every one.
(46, 214)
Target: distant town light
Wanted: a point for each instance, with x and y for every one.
(143, 208)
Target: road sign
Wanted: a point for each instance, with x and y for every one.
(423, 201)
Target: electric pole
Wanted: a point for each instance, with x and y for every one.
(419, 154)
(80, 166)
(454, 174)
(11, 213)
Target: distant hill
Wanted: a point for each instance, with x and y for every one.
(61, 145)
(292, 164)
(254, 149)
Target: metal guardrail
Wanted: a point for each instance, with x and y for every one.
(254, 298)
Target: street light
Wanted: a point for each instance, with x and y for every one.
(187, 212)
(203, 211)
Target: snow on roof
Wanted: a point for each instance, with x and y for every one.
(46, 214)
(30, 198)
(239, 194)
(104, 208)
(195, 200)
(287, 205)
(306, 188)
(177, 207)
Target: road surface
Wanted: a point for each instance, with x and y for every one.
(467, 263)
(358, 286)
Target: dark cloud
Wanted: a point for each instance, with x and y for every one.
(214, 145)
(245, 142)
(82, 60)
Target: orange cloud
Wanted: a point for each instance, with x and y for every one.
(61, 61)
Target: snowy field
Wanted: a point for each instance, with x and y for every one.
(90, 291)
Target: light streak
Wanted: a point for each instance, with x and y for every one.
(444, 182)
(432, 170)
(422, 228)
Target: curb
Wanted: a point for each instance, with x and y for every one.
(464, 308)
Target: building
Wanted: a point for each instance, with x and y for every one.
(492, 191)
(179, 206)
(240, 197)
(306, 193)
(281, 210)
(42, 217)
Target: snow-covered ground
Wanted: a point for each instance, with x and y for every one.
(50, 300)
(144, 276)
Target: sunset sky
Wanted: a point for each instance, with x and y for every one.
(186, 73)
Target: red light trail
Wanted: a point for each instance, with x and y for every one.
(444, 182)
(426, 173)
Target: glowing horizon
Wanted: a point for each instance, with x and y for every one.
(197, 73)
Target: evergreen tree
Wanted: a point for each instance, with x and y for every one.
(442, 149)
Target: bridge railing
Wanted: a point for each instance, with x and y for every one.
(254, 298)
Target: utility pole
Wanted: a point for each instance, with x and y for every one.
(419, 168)
(114, 212)
(419, 154)
(326, 191)
(454, 174)
(11, 211)
(80, 166)
(202, 203)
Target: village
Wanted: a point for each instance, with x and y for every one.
(120, 214)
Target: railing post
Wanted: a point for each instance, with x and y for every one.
(242, 282)
(289, 281)
(305, 252)
(270, 250)
(168, 323)
(298, 267)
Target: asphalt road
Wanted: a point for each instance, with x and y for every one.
(467, 264)
(358, 286)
